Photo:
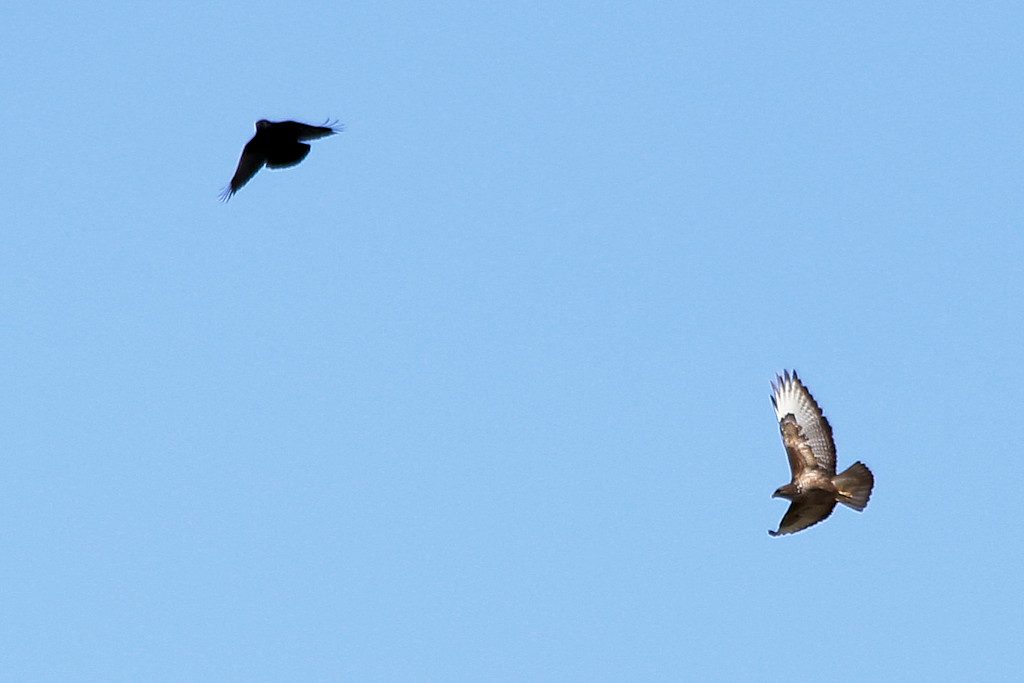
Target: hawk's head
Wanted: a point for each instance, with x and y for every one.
(789, 492)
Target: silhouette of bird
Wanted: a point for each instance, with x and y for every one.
(277, 144)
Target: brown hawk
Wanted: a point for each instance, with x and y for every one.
(277, 144)
(807, 436)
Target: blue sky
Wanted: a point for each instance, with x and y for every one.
(480, 390)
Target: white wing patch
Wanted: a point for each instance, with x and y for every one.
(791, 397)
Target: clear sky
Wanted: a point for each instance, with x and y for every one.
(480, 390)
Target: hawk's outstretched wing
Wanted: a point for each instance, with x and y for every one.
(798, 448)
(806, 510)
(811, 431)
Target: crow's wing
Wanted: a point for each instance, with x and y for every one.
(304, 131)
(251, 161)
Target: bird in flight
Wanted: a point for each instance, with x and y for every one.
(807, 436)
(277, 144)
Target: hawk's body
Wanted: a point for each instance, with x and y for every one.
(815, 488)
(277, 144)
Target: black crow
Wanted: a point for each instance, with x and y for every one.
(277, 144)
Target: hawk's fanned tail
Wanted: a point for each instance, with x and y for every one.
(854, 486)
